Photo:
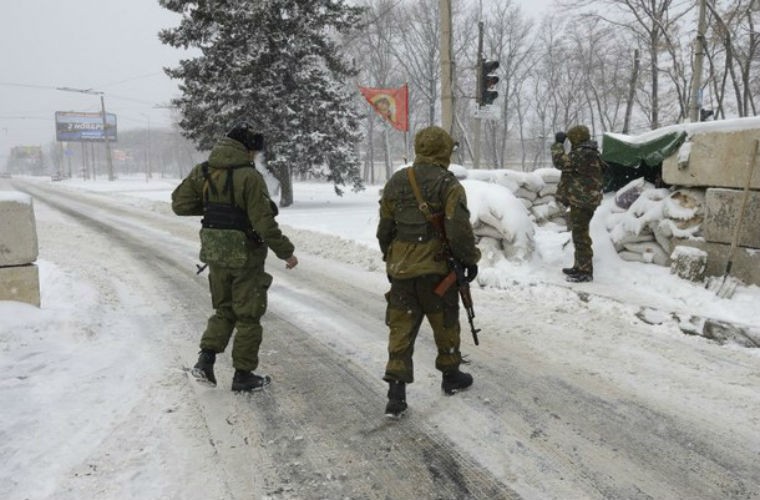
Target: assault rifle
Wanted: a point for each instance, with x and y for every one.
(455, 276)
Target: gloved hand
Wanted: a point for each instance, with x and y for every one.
(470, 272)
(560, 137)
(390, 280)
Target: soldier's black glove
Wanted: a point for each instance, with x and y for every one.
(470, 272)
(390, 280)
(560, 137)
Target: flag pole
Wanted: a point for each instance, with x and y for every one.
(406, 132)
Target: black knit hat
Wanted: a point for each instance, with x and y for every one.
(244, 133)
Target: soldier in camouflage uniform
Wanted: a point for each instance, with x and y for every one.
(415, 264)
(238, 226)
(580, 188)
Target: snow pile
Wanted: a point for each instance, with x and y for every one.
(645, 220)
(500, 221)
(500, 212)
(535, 190)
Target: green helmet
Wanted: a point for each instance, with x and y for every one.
(578, 134)
(433, 146)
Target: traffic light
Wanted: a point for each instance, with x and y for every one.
(488, 81)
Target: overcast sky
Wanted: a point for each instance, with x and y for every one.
(106, 45)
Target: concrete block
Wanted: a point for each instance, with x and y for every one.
(746, 264)
(688, 263)
(722, 207)
(18, 232)
(717, 159)
(20, 283)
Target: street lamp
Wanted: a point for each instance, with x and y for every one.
(103, 115)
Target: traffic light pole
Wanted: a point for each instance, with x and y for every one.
(479, 84)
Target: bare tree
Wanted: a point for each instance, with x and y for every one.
(651, 22)
(418, 55)
(735, 28)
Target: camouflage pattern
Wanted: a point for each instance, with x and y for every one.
(578, 134)
(580, 218)
(409, 245)
(414, 254)
(250, 191)
(582, 170)
(580, 188)
(409, 302)
(224, 247)
(239, 295)
(239, 298)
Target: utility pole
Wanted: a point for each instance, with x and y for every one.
(109, 160)
(447, 71)
(699, 55)
(148, 173)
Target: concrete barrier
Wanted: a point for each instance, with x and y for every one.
(746, 263)
(19, 277)
(716, 159)
(20, 283)
(722, 207)
(18, 231)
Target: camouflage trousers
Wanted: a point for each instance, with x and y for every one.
(580, 218)
(409, 301)
(239, 297)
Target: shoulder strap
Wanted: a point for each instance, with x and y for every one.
(228, 185)
(421, 203)
(207, 181)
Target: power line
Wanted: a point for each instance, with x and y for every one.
(110, 96)
(139, 77)
(27, 85)
(46, 118)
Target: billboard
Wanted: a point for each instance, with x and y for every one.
(71, 126)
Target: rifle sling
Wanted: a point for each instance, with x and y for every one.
(421, 203)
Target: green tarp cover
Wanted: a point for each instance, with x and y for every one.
(629, 160)
(633, 154)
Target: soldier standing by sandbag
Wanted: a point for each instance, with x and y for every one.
(238, 227)
(580, 188)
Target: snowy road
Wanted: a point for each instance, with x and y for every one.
(574, 397)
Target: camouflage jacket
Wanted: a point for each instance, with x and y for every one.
(582, 174)
(250, 194)
(409, 244)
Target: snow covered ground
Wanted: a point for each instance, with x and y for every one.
(73, 370)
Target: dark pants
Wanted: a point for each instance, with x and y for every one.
(580, 218)
(409, 302)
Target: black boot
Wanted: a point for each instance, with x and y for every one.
(580, 277)
(396, 399)
(247, 381)
(454, 381)
(204, 368)
(570, 270)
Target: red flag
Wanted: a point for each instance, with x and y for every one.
(391, 104)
